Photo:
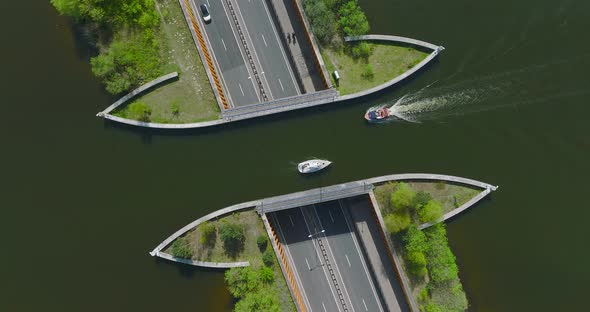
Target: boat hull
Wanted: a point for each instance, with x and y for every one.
(313, 165)
(377, 114)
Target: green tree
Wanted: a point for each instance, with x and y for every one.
(397, 222)
(181, 249)
(430, 212)
(417, 263)
(268, 257)
(321, 19)
(262, 242)
(441, 261)
(208, 234)
(402, 198)
(433, 307)
(267, 275)
(241, 281)
(263, 300)
(415, 240)
(233, 237)
(353, 21)
(421, 199)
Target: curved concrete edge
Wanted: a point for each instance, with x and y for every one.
(435, 51)
(214, 265)
(393, 39)
(458, 210)
(158, 250)
(430, 176)
(155, 125)
(136, 92)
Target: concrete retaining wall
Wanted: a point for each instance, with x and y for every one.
(136, 92)
(460, 209)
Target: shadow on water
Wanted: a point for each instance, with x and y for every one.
(186, 270)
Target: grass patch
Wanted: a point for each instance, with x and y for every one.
(386, 60)
(449, 195)
(190, 98)
(206, 245)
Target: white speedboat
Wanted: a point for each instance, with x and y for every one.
(313, 165)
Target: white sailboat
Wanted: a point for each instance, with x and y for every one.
(313, 165)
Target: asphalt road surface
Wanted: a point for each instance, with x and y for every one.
(307, 264)
(229, 56)
(265, 37)
(343, 251)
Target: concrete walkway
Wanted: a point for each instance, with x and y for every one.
(300, 50)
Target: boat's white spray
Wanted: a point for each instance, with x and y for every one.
(483, 93)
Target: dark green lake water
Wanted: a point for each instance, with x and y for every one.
(83, 201)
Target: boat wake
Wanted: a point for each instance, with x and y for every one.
(512, 88)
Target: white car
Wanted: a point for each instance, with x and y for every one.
(205, 13)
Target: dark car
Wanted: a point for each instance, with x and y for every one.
(205, 13)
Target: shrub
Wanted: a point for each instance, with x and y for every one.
(417, 263)
(383, 196)
(268, 257)
(233, 237)
(175, 108)
(368, 73)
(267, 275)
(441, 261)
(433, 307)
(181, 249)
(139, 111)
(397, 222)
(241, 281)
(262, 242)
(423, 296)
(361, 50)
(402, 198)
(263, 300)
(415, 240)
(421, 199)
(208, 234)
(430, 212)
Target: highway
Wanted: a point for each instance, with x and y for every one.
(307, 264)
(269, 52)
(342, 251)
(223, 41)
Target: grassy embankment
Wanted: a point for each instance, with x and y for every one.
(386, 62)
(190, 98)
(361, 65)
(240, 237)
(427, 257)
